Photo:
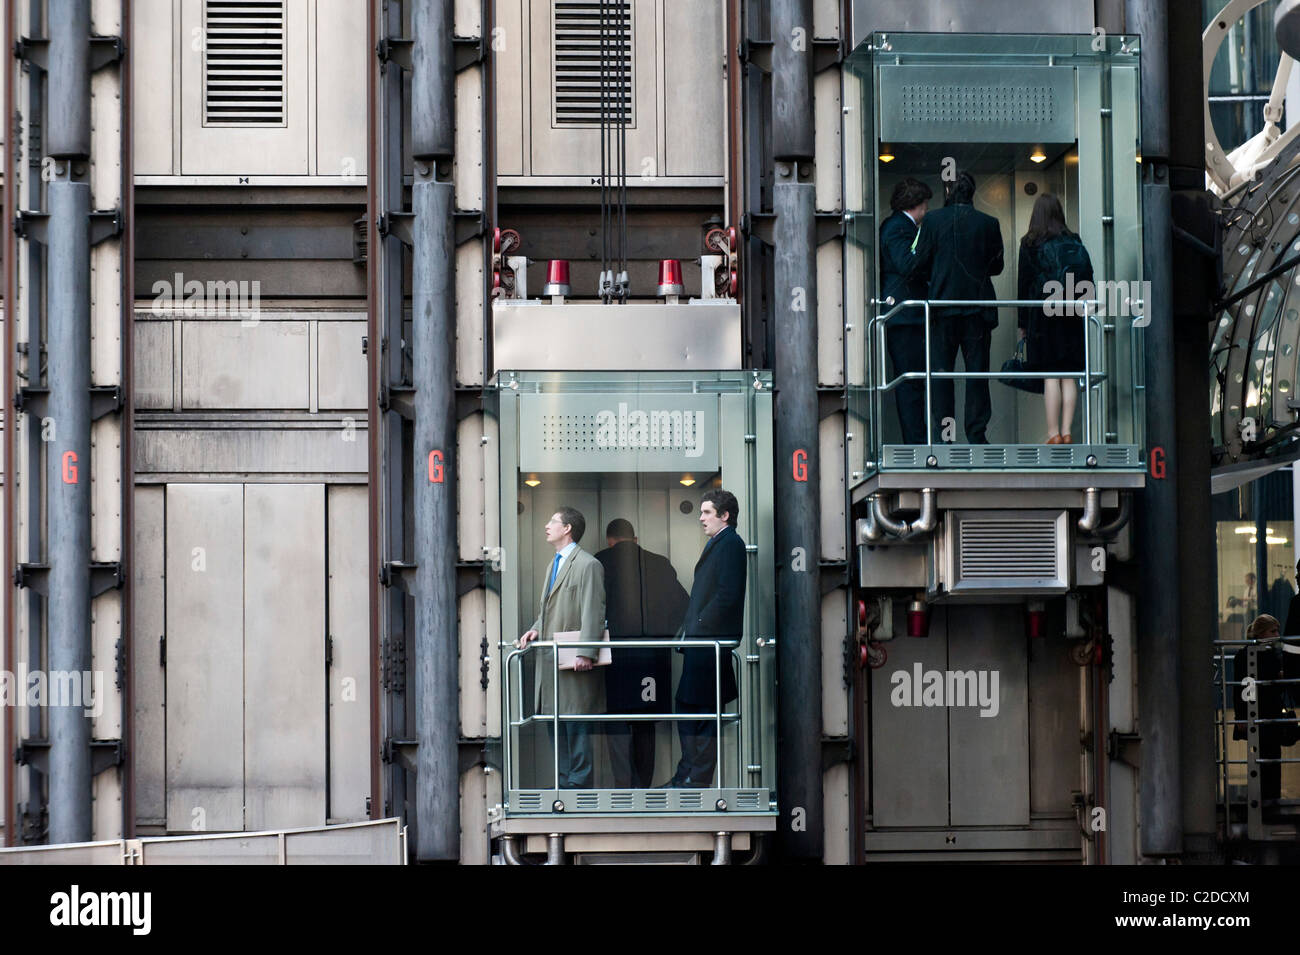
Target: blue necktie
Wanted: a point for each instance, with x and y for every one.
(555, 565)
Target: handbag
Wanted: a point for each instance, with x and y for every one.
(1019, 363)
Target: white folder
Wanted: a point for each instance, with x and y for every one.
(569, 656)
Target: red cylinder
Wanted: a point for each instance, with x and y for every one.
(557, 278)
(918, 620)
(1037, 622)
(670, 278)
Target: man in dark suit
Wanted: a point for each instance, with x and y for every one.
(643, 599)
(905, 329)
(716, 612)
(958, 251)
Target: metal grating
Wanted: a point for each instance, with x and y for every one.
(638, 800)
(576, 66)
(944, 103)
(243, 63)
(1056, 457)
(1010, 549)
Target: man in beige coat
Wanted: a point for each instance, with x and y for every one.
(573, 599)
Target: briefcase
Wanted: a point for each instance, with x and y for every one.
(568, 657)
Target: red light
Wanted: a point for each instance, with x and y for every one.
(918, 620)
(670, 278)
(1037, 623)
(557, 278)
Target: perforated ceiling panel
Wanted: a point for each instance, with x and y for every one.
(925, 104)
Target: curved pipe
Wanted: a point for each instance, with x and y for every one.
(511, 854)
(868, 529)
(1117, 523)
(883, 520)
(929, 518)
(722, 849)
(1091, 510)
(758, 851)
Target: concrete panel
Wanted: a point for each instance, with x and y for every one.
(248, 451)
(148, 709)
(834, 543)
(835, 697)
(284, 655)
(469, 488)
(970, 16)
(471, 617)
(205, 657)
(989, 754)
(836, 816)
(342, 375)
(492, 697)
(106, 489)
(909, 744)
(349, 631)
(471, 317)
(340, 102)
(151, 86)
(467, 169)
(508, 63)
(694, 88)
(152, 365)
(231, 365)
(826, 130)
(475, 846)
(106, 140)
(826, 19)
(830, 313)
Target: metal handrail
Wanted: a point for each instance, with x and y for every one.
(557, 717)
(1090, 314)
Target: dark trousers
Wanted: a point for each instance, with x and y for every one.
(907, 353)
(632, 753)
(970, 334)
(575, 754)
(699, 739)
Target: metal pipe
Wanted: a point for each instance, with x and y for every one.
(67, 485)
(7, 392)
(798, 521)
(433, 79)
(433, 488)
(890, 526)
(929, 518)
(1149, 19)
(555, 850)
(512, 855)
(126, 433)
(792, 86)
(868, 530)
(722, 849)
(374, 462)
(1091, 510)
(68, 133)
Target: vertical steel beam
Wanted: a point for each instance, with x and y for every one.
(792, 85)
(433, 78)
(67, 484)
(9, 635)
(69, 64)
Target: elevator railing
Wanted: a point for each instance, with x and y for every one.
(1252, 807)
(720, 717)
(1093, 376)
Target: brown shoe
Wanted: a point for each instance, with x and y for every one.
(1055, 439)
(1066, 439)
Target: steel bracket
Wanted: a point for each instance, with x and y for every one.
(104, 754)
(836, 750)
(398, 573)
(34, 226)
(1125, 748)
(104, 576)
(104, 400)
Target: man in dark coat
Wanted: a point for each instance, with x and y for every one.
(716, 612)
(1274, 661)
(643, 599)
(905, 329)
(958, 251)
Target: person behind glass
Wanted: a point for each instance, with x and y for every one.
(1053, 264)
(905, 329)
(573, 599)
(1292, 628)
(957, 252)
(716, 612)
(644, 599)
(1273, 661)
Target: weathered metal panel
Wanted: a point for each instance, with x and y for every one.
(834, 543)
(340, 102)
(468, 166)
(970, 16)
(508, 63)
(148, 684)
(284, 655)
(830, 314)
(231, 364)
(349, 633)
(266, 450)
(826, 136)
(152, 58)
(152, 362)
(342, 375)
(205, 659)
(694, 88)
(835, 696)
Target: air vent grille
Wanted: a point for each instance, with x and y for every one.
(576, 62)
(1008, 549)
(243, 63)
(944, 103)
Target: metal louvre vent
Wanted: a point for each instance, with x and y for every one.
(1007, 549)
(243, 63)
(943, 103)
(575, 64)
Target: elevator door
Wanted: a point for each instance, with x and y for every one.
(245, 667)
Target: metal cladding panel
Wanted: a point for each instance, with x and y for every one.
(971, 16)
(909, 743)
(152, 364)
(340, 102)
(349, 634)
(694, 88)
(153, 57)
(284, 655)
(341, 379)
(271, 450)
(595, 337)
(989, 755)
(233, 365)
(148, 710)
(1053, 726)
(979, 104)
(618, 432)
(205, 659)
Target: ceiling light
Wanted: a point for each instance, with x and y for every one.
(886, 154)
(532, 480)
(1038, 156)
(686, 480)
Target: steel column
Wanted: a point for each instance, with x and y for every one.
(433, 78)
(792, 86)
(69, 64)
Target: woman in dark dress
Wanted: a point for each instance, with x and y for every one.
(1050, 254)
